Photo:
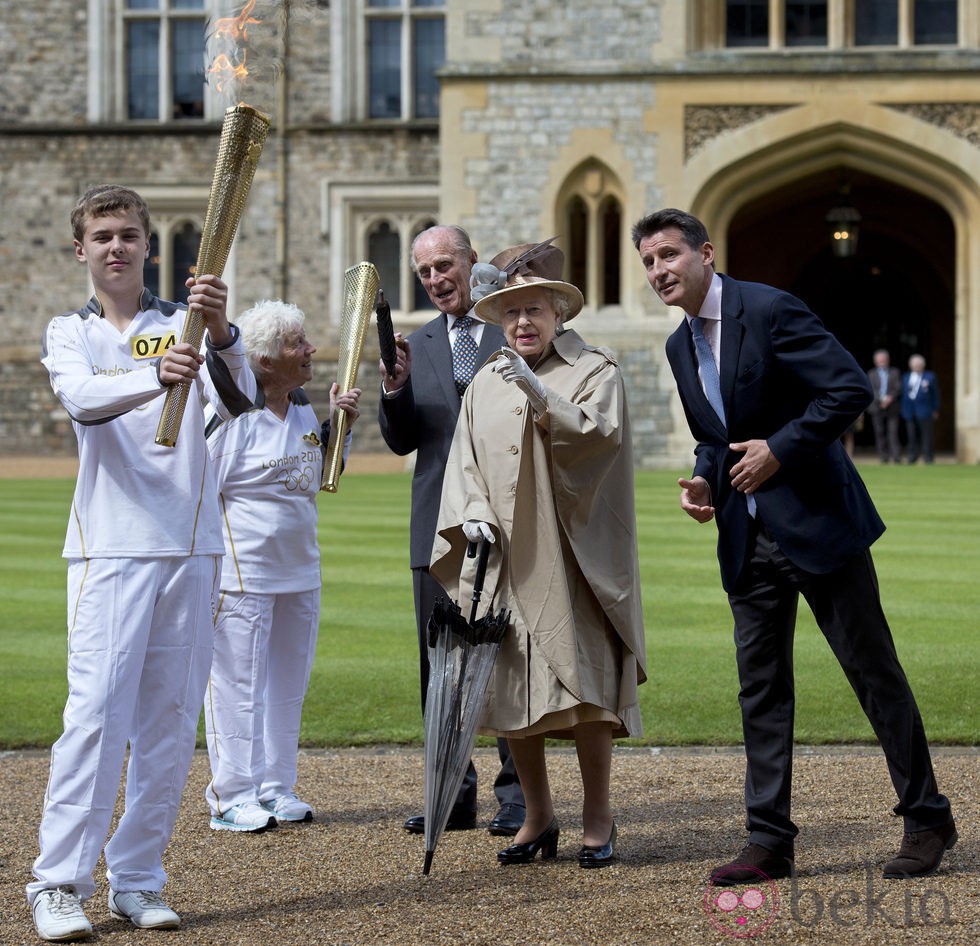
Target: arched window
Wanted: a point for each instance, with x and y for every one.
(386, 242)
(590, 213)
(611, 224)
(173, 257)
(384, 250)
(420, 296)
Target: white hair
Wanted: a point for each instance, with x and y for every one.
(264, 328)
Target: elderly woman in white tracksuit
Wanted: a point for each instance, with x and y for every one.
(268, 464)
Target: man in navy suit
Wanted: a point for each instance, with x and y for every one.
(920, 408)
(793, 518)
(418, 411)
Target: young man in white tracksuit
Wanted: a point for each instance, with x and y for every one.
(144, 551)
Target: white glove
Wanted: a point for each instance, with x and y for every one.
(512, 368)
(474, 530)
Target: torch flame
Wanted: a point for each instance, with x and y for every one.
(232, 32)
(223, 71)
(235, 28)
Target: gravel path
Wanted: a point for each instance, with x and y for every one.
(354, 877)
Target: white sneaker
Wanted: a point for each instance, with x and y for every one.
(289, 807)
(143, 908)
(58, 915)
(247, 816)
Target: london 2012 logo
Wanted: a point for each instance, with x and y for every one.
(745, 911)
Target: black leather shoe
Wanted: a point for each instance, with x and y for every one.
(507, 821)
(546, 842)
(921, 852)
(589, 856)
(753, 860)
(460, 819)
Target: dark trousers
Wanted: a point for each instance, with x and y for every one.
(847, 609)
(506, 786)
(887, 441)
(919, 430)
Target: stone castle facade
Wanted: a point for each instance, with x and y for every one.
(571, 118)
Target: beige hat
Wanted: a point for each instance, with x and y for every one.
(537, 265)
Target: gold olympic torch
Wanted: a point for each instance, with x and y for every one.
(361, 282)
(243, 134)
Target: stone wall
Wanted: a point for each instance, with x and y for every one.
(33, 422)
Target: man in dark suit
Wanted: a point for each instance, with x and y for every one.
(418, 411)
(793, 518)
(920, 408)
(886, 408)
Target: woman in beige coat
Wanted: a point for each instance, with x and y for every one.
(542, 466)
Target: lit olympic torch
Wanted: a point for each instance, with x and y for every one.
(243, 134)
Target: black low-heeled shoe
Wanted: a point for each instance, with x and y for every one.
(546, 842)
(589, 856)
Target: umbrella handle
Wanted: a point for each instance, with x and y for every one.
(481, 572)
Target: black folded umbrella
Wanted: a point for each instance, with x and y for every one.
(386, 334)
(461, 658)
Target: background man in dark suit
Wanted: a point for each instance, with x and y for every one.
(418, 411)
(886, 408)
(793, 518)
(920, 408)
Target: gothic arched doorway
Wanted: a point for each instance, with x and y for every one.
(897, 292)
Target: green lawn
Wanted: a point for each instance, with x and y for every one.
(365, 679)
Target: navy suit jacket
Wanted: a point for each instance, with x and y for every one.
(926, 401)
(784, 379)
(423, 417)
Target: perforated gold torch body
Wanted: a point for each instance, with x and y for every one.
(361, 287)
(243, 134)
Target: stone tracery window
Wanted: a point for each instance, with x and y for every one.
(590, 214)
(388, 246)
(173, 256)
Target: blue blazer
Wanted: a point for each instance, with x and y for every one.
(784, 379)
(926, 401)
(423, 418)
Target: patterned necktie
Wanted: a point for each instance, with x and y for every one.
(464, 354)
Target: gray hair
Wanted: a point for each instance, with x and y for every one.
(462, 246)
(559, 302)
(264, 328)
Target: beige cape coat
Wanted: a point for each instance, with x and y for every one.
(558, 492)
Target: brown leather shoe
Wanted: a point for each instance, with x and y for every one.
(921, 852)
(753, 860)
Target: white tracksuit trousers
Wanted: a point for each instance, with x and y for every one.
(139, 651)
(263, 654)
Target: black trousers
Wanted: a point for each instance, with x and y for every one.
(506, 786)
(919, 430)
(847, 609)
(886, 427)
